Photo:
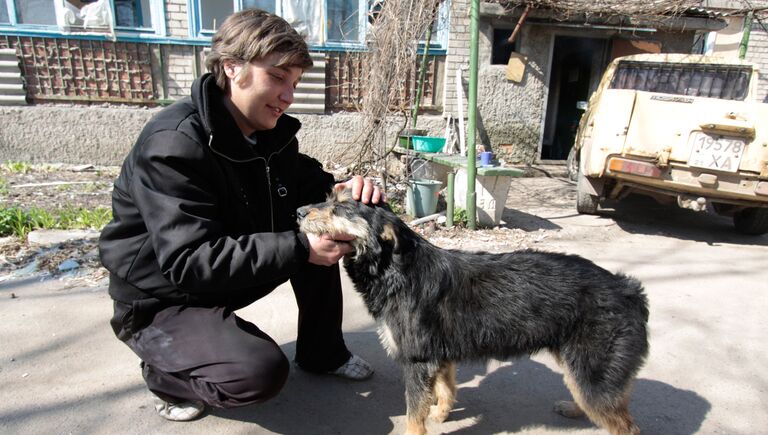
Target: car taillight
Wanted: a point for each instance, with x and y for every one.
(643, 169)
(762, 188)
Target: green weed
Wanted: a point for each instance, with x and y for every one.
(459, 217)
(19, 222)
(396, 207)
(17, 167)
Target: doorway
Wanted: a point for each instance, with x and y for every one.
(577, 65)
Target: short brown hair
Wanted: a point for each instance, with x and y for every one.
(253, 34)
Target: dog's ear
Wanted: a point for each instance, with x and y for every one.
(389, 234)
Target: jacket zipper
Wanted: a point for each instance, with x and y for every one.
(266, 165)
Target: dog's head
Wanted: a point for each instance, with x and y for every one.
(374, 227)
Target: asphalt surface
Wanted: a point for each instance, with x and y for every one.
(63, 372)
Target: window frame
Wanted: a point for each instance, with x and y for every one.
(156, 9)
(438, 43)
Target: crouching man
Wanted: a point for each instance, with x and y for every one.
(204, 224)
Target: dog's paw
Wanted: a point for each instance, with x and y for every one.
(568, 409)
(439, 413)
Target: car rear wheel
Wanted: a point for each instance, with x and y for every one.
(752, 221)
(586, 202)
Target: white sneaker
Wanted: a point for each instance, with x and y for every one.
(182, 411)
(356, 369)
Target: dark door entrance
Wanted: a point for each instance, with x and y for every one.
(577, 64)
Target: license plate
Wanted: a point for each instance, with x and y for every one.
(713, 152)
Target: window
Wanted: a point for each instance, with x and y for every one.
(35, 12)
(133, 13)
(714, 81)
(4, 14)
(343, 21)
(324, 22)
(213, 13)
(502, 49)
(265, 5)
(84, 16)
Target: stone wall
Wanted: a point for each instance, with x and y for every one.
(104, 135)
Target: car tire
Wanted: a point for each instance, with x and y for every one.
(586, 202)
(752, 221)
(572, 165)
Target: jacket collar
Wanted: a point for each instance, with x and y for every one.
(224, 136)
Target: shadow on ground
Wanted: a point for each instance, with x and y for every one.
(517, 395)
(636, 214)
(639, 214)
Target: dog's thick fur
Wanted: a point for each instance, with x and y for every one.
(438, 307)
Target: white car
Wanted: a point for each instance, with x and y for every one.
(676, 127)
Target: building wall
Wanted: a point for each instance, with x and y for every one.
(757, 52)
(511, 115)
(176, 18)
(457, 55)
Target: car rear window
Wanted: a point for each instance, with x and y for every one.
(726, 82)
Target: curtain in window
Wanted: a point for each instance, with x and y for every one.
(697, 80)
(93, 16)
(307, 18)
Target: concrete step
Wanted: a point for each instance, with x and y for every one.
(8, 54)
(10, 78)
(12, 89)
(310, 86)
(313, 76)
(13, 100)
(309, 98)
(306, 108)
(6, 65)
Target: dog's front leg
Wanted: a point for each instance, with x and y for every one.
(419, 384)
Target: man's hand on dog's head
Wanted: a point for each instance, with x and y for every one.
(327, 249)
(362, 189)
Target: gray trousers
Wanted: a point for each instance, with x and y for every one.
(212, 355)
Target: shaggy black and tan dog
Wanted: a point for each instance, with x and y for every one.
(437, 307)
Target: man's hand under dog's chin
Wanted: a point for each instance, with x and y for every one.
(327, 250)
(362, 189)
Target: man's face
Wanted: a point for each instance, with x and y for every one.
(264, 95)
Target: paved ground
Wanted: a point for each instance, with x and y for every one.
(62, 371)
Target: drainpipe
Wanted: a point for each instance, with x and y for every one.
(745, 35)
(472, 116)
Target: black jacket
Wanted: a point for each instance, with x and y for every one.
(200, 216)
